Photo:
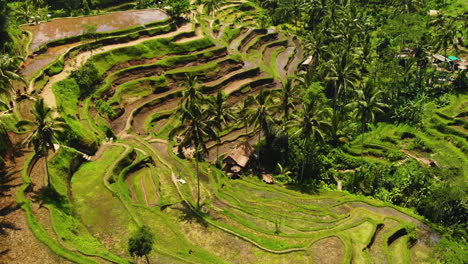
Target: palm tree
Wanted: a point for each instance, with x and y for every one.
(46, 130)
(243, 113)
(311, 123)
(7, 75)
(446, 35)
(213, 5)
(407, 6)
(221, 114)
(365, 107)
(262, 115)
(287, 95)
(342, 74)
(192, 92)
(196, 129)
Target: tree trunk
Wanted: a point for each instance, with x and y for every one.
(217, 149)
(47, 179)
(304, 160)
(147, 259)
(258, 143)
(302, 171)
(198, 182)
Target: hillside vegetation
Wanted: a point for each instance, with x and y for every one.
(126, 133)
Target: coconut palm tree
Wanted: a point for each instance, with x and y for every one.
(366, 105)
(262, 115)
(196, 129)
(407, 6)
(192, 92)
(46, 130)
(311, 123)
(287, 95)
(242, 111)
(446, 35)
(7, 74)
(342, 75)
(213, 5)
(221, 114)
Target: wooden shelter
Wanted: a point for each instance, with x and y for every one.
(267, 178)
(238, 158)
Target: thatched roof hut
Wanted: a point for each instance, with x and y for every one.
(267, 178)
(240, 155)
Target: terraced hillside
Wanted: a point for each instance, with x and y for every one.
(132, 175)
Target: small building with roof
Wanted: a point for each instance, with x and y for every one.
(238, 159)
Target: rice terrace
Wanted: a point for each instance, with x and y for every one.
(249, 131)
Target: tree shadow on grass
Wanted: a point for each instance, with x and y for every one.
(188, 215)
(48, 195)
(306, 188)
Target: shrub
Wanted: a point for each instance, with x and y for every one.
(87, 78)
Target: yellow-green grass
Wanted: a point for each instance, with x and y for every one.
(169, 62)
(146, 50)
(34, 225)
(92, 200)
(130, 92)
(67, 93)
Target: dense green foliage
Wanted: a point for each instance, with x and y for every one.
(370, 115)
(141, 242)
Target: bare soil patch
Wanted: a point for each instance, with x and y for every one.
(18, 244)
(328, 250)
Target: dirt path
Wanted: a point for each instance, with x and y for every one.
(82, 58)
(424, 161)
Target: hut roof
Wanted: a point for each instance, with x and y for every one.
(242, 153)
(308, 61)
(267, 178)
(439, 57)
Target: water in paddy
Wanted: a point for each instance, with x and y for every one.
(67, 27)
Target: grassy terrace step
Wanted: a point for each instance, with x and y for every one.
(148, 49)
(235, 42)
(251, 36)
(145, 112)
(66, 225)
(145, 29)
(57, 66)
(168, 62)
(92, 200)
(261, 41)
(231, 32)
(207, 72)
(398, 250)
(34, 225)
(296, 58)
(378, 247)
(134, 90)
